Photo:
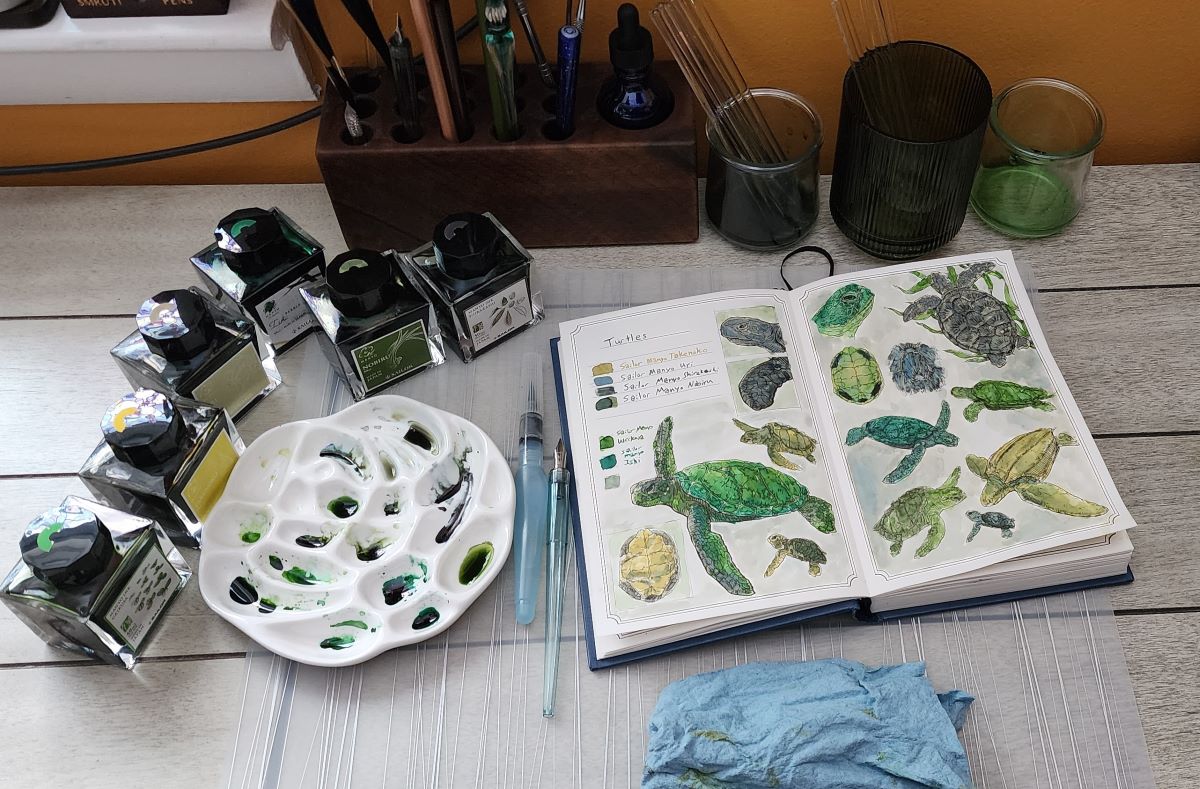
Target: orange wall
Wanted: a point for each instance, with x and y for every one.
(1136, 58)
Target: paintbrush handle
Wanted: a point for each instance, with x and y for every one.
(360, 11)
(456, 89)
(433, 68)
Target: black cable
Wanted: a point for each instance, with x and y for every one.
(195, 147)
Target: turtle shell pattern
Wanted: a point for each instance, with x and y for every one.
(1030, 456)
(914, 368)
(855, 375)
(908, 516)
(1007, 395)
(995, 520)
(741, 489)
(649, 565)
(977, 321)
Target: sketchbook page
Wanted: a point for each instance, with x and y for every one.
(705, 384)
(962, 445)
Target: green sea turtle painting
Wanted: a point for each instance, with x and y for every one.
(1002, 396)
(993, 520)
(919, 509)
(724, 491)
(778, 439)
(844, 311)
(1021, 466)
(806, 551)
(906, 432)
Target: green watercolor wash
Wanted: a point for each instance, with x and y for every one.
(251, 536)
(253, 528)
(267, 605)
(425, 618)
(313, 540)
(606, 442)
(608, 462)
(478, 558)
(372, 550)
(338, 642)
(343, 506)
(712, 734)
(870, 713)
(361, 625)
(276, 562)
(302, 577)
(695, 779)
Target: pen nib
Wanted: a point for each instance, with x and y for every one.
(560, 455)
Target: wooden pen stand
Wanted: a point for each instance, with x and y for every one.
(600, 186)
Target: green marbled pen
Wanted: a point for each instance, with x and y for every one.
(500, 59)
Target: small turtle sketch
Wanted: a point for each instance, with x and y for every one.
(742, 330)
(906, 432)
(993, 520)
(915, 368)
(797, 547)
(973, 320)
(761, 382)
(778, 439)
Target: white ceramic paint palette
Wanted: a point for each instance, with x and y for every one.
(339, 538)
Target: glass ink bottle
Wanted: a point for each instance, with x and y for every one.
(634, 97)
(374, 326)
(258, 263)
(163, 460)
(187, 345)
(478, 276)
(94, 580)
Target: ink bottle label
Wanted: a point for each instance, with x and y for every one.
(392, 356)
(208, 476)
(284, 316)
(499, 315)
(235, 383)
(146, 593)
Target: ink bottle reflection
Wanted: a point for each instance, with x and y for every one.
(94, 580)
(478, 277)
(257, 264)
(376, 328)
(189, 346)
(163, 460)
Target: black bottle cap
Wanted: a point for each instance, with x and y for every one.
(362, 282)
(66, 546)
(466, 245)
(176, 323)
(143, 428)
(630, 46)
(252, 240)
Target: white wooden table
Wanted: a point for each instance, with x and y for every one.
(1120, 299)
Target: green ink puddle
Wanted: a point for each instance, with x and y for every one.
(419, 438)
(251, 536)
(343, 507)
(478, 558)
(371, 551)
(267, 605)
(396, 589)
(338, 642)
(276, 562)
(242, 591)
(252, 529)
(361, 625)
(425, 618)
(313, 540)
(302, 577)
(606, 442)
(391, 507)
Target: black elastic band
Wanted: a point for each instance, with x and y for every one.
(819, 250)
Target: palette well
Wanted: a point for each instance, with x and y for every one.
(339, 538)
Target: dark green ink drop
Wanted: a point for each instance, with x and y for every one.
(276, 562)
(391, 507)
(475, 562)
(361, 625)
(251, 536)
(425, 618)
(371, 551)
(343, 507)
(297, 575)
(266, 605)
(313, 540)
(456, 516)
(395, 589)
(419, 438)
(242, 591)
(338, 642)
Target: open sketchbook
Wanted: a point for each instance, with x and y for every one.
(890, 440)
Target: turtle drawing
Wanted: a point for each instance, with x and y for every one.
(797, 547)
(778, 439)
(993, 520)
(1021, 465)
(855, 376)
(906, 432)
(915, 368)
(844, 311)
(1002, 396)
(918, 509)
(724, 491)
(753, 332)
(649, 565)
(973, 320)
(762, 381)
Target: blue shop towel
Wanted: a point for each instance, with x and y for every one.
(826, 724)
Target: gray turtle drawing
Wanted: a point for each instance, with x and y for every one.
(993, 520)
(742, 330)
(762, 381)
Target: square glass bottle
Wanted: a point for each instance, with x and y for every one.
(258, 263)
(163, 460)
(478, 277)
(187, 345)
(375, 327)
(94, 580)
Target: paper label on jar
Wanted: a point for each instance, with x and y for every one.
(207, 481)
(138, 605)
(284, 316)
(499, 315)
(234, 384)
(392, 356)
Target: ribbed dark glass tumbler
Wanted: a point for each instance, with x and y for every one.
(911, 129)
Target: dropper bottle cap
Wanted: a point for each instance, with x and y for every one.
(630, 46)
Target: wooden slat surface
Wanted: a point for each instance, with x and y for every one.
(89, 255)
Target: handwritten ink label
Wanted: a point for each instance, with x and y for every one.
(285, 316)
